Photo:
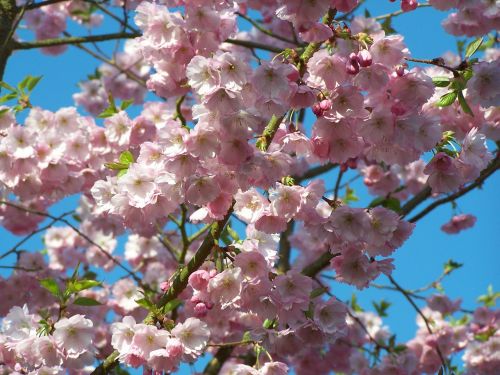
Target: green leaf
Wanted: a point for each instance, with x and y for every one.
(22, 85)
(473, 47)
(3, 111)
(116, 166)
(108, 112)
(460, 47)
(122, 172)
(143, 302)
(126, 157)
(32, 82)
(387, 26)
(367, 13)
(447, 99)
(485, 336)
(350, 195)
(490, 298)
(460, 322)
(52, 286)
(464, 105)
(79, 285)
(234, 235)
(247, 336)
(381, 307)
(400, 348)
(354, 304)
(451, 266)
(85, 301)
(6, 86)
(441, 81)
(318, 291)
(126, 103)
(467, 73)
(392, 204)
(172, 305)
(8, 97)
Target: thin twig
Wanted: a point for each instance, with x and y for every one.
(417, 309)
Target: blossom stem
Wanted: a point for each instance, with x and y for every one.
(436, 62)
(426, 321)
(398, 12)
(264, 30)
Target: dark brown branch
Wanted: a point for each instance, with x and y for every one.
(492, 167)
(417, 309)
(316, 171)
(72, 40)
(285, 248)
(81, 234)
(42, 4)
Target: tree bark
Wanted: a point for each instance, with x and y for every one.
(8, 12)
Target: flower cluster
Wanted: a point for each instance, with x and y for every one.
(228, 142)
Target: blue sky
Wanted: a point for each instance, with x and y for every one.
(418, 262)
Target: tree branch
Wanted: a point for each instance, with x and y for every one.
(72, 40)
(487, 172)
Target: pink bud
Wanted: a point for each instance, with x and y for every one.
(364, 58)
(316, 108)
(409, 5)
(200, 310)
(325, 105)
(352, 163)
(352, 67)
(164, 286)
(400, 70)
(353, 57)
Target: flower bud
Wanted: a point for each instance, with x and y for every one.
(200, 310)
(352, 67)
(408, 5)
(364, 58)
(316, 108)
(164, 286)
(400, 70)
(352, 163)
(325, 105)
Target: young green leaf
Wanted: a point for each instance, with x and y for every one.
(126, 157)
(318, 291)
(3, 111)
(441, 81)
(381, 307)
(32, 82)
(108, 112)
(79, 285)
(447, 99)
(6, 86)
(85, 301)
(473, 47)
(451, 265)
(126, 103)
(143, 302)
(464, 105)
(52, 286)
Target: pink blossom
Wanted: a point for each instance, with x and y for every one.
(459, 223)
(193, 335)
(74, 335)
